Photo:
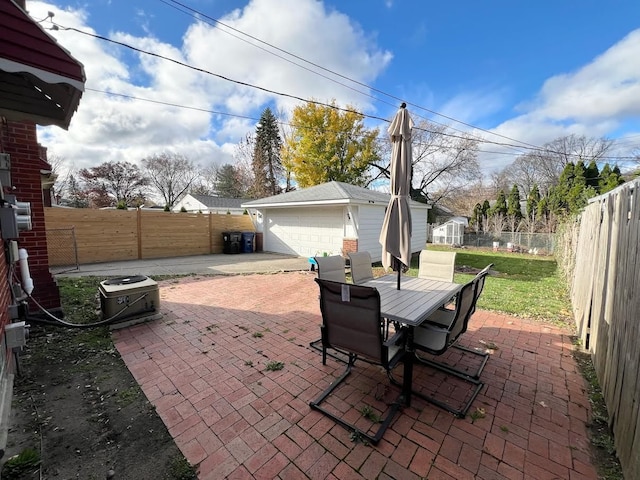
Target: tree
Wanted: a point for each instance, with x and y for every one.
(609, 179)
(442, 163)
(513, 203)
(75, 195)
(500, 206)
(544, 167)
(228, 182)
(112, 182)
(477, 218)
(533, 199)
(171, 174)
(329, 144)
(266, 162)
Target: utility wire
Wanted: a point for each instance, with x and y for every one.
(198, 15)
(295, 97)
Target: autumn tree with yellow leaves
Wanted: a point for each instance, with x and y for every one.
(328, 143)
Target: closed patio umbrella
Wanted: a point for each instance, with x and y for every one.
(395, 236)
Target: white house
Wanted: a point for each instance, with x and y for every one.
(209, 204)
(334, 217)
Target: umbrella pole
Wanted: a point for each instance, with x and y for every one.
(398, 279)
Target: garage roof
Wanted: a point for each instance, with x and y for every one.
(330, 193)
(39, 80)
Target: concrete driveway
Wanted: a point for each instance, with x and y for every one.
(220, 264)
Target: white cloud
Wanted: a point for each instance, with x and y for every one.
(594, 101)
(115, 128)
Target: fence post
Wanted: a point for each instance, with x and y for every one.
(210, 234)
(139, 231)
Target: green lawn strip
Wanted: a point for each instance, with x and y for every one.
(523, 285)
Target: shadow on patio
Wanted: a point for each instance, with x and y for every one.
(204, 367)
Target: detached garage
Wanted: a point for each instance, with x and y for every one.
(332, 218)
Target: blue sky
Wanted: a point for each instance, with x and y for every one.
(531, 71)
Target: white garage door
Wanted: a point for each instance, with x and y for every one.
(304, 231)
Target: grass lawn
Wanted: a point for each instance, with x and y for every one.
(520, 284)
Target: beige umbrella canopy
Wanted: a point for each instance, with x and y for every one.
(395, 236)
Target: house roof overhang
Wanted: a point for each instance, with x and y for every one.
(39, 80)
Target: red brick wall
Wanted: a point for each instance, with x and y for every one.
(349, 245)
(5, 295)
(20, 140)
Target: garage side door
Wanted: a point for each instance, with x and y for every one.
(304, 231)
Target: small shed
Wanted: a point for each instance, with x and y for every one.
(451, 232)
(209, 204)
(333, 218)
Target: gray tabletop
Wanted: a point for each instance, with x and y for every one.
(415, 301)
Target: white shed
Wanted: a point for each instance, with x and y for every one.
(451, 232)
(333, 218)
(210, 204)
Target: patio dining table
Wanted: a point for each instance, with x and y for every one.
(417, 299)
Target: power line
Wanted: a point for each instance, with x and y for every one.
(197, 14)
(295, 97)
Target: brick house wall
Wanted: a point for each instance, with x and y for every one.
(19, 139)
(349, 245)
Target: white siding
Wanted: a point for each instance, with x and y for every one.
(370, 220)
(304, 231)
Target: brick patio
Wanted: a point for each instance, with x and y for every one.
(203, 367)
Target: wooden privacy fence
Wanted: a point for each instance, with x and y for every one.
(113, 235)
(606, 304)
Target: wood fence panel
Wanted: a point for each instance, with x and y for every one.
(227, 223)
(165, 234)
(627, 390)
(101, 235)
(613, 315)
(113, 235)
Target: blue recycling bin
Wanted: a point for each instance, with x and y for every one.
(247, 242)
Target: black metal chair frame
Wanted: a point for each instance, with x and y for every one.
(359, 296)
(465, 302)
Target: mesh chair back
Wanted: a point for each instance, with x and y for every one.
(480, 279)
(361, 270)
(351, 319)
(331, 268)
(464, 304)
(437, 265)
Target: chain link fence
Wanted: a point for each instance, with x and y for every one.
(62, 248)
(542, 243)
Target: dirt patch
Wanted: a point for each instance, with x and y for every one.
(77, 405)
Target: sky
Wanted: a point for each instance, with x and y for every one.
(511, 72)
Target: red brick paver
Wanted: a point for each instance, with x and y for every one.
(203, 366)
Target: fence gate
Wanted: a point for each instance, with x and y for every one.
(62, 248)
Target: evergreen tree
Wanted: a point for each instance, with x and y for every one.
(477, 218)
(266, 162)
(559, 193)
(592, 174)
(227, 184)
(500, 207)
(486, 208)
(578, 194)
(609, 179)
(513, 204)
(532, 201)
(78, 198)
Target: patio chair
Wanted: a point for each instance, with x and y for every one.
(352, 325)
(361, 270)
(436, 339)
(437, 265)
(331, 268)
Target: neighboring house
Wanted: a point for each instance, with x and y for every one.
(40, 83)
(333, 218)
(451, 232)
(210, 204)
